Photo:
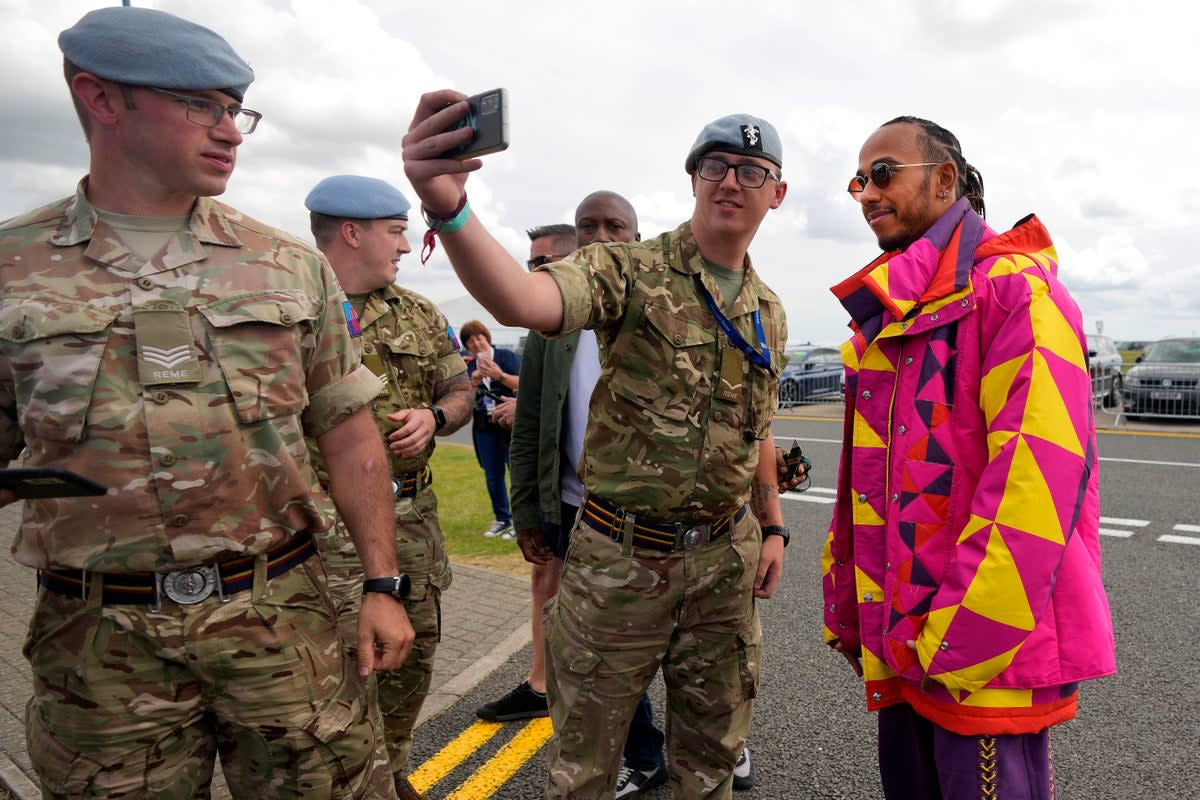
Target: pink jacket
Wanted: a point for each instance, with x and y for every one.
(968, 510)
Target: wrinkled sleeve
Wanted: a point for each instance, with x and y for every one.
(593, 281)
(449, 361)
(827, 589)
(12, 441)
(338, 384)
(1035, 395)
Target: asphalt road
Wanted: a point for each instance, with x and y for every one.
(1135, 737)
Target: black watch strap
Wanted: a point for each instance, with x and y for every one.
(398, 586)
(777, 530)
(439, 418)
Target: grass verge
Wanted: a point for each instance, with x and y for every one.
(465, 511)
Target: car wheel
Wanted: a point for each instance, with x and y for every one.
(1113, 398)
(789, 394)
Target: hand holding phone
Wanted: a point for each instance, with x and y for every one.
(487, 116)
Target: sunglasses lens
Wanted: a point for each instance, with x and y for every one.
(881, 175)
(857, 184)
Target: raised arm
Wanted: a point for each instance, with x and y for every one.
(512, 295)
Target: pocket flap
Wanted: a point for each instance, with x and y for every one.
(274, 308)
(675, 328)
(27, 319)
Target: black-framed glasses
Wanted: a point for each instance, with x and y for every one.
(881, 175)
(538, 261)
(209, 113)
(750, 176)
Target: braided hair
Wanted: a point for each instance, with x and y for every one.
(940, 144)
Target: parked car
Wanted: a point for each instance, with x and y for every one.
(1166, 380)
(1104, 365)
(813, 373)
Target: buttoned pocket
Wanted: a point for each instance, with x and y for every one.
(668, 366)
(258, 341)
(54, 349)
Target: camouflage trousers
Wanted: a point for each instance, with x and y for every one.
(622, 613)
(397, 695)
(134, 703)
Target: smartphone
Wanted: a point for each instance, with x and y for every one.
(493, 395)
(40, 482)
(488, 118)
(793, 459)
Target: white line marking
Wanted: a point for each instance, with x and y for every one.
(1133, 523)
(822, 490)
(1187, 528)
(1117, 533)
(1153, 463)
(1166, 537)
(781, 439)
(807, 499)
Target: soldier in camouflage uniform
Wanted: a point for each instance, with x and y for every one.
(359, 224)
(664, 563)
(177, 351)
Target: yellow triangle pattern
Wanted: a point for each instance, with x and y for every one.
(1052, 331)
(974, 525)
(1027, 505)
(864, 434)
(997, 440)
(974, 677)
(1009, 265)
(1046, 415)
(996, 591)
(875, 668)
(1000, 698)
(864, 514)
(864, 584)
(876, 359)
(994, 387)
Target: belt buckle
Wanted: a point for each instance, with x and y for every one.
(189, 586)
(397, 486)
(695, 536)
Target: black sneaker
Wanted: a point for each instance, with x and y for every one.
(632, 782)
(521, 703)
(744, 774)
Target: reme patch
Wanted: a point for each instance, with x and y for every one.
(751, 137)
(166, 351)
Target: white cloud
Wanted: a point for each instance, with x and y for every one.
(1079, 112)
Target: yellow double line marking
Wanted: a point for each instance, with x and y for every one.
(486, 780)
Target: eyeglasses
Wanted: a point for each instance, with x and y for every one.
(209, 113)
(751, 176)
(538, 261)
(881, 175)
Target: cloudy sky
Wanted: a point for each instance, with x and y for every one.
(1081, 112)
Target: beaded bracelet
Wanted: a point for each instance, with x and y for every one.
(450, 224)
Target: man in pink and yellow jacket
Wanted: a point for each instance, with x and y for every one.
(962, 571)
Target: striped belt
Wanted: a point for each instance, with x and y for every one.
(184, 586)
(407, 484)
(606, 518)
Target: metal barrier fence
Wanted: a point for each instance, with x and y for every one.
(1159, 390)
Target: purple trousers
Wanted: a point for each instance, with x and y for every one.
(920, 761)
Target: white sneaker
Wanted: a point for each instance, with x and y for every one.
(633, 782)
(744, 773)
(497, 528)
(508, 535)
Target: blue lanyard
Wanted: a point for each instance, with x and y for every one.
(762, 359)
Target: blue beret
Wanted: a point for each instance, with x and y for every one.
(738, 133)
(144, 47)
(356, 197)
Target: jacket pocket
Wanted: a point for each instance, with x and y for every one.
(54, 349)
(257, 340)
(666, 342)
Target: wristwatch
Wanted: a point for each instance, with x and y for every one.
(398, 586)
(439, 418)
(777, 530)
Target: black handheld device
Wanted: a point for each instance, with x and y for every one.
(41, 482)
(488, 118)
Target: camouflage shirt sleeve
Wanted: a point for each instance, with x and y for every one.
(594, 282)
(338, 384)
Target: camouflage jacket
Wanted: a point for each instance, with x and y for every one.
(186, 384)
(407, 342)
(678, 413)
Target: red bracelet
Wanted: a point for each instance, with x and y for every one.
(436, 223)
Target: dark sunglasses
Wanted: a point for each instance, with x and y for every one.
(538, 261)
(881, 175)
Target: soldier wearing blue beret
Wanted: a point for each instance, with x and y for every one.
(360, 224)
(179, 352)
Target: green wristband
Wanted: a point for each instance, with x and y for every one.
(458, 220)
